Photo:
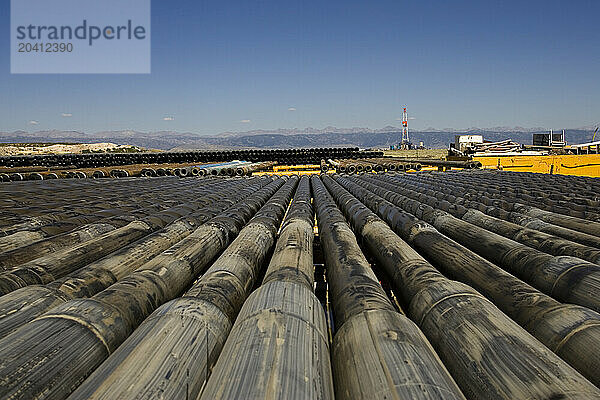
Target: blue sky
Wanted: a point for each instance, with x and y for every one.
(345, 63)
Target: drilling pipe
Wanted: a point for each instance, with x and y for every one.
(52, 266)
(377, 352)
(24, 246)
(570, 331)
(148, 172)
(254, 167)
(207, 310)
(98, 325)
(282, 313)
(532, 206)
(473, 212)
(495, 209)
(25, 304)
(444, 163)
(181, 172)
(119, 173)
(459, 321)
(34, 176)
(91, 206)
(566, 278)
(540, 189)
(21, 250)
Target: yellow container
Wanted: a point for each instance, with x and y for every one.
(579, 165)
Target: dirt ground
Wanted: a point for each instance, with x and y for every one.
(423, 153)
(22, 149)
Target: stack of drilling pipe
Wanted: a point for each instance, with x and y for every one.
(533, 233)
(565, 328)
(282, 313)
(70, 341)
(238, 168)
(455, 285)
(476, 341)
(547, 196)
(226, 169)
(553, 196)
(25, 304)
(68, 224)
(80, 214)
(390, 162)
(459, 195)
(377, 165)
(584, 183)
(567, 278)
(33, 213)
(377, 352)
(220, 169)
(282, 156)
(39, 204)
(54, 265)
(205, 311)
(574, 229)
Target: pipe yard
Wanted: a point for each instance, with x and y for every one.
(295, 274)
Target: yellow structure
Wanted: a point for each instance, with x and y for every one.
(579, 165)
(296, 172)
(285, 168)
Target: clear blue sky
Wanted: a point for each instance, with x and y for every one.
(345, 63)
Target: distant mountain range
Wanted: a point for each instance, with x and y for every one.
(309, 137)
